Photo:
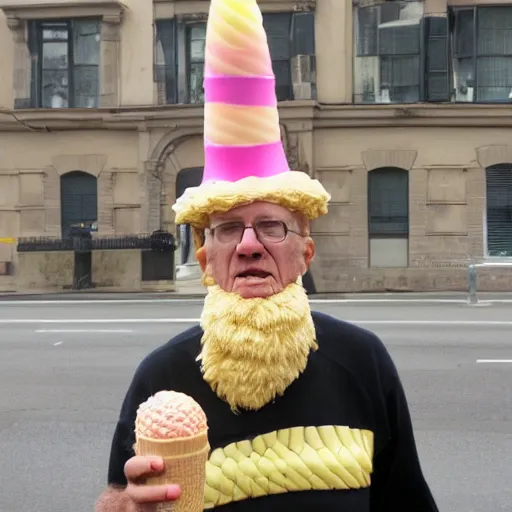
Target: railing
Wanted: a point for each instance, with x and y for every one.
(158, 241)
(473, 277)
(156, 252)
(44, 244)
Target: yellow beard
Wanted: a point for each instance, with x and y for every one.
(253, 349)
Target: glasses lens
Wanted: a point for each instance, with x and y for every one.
(229, 231)
(272, 230)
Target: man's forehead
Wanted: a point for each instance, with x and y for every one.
(257, 209)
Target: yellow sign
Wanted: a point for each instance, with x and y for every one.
(7, 240)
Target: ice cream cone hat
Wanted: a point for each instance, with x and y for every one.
(244, 157)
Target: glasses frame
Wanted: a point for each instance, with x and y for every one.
(255, 229)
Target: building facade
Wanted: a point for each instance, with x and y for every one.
(401, 108)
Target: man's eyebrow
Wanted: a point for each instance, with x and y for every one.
(227, 221)
(256, 219)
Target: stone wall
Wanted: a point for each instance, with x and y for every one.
(117, 268)
(52, 271)
(44, 270)
(7, 284)
(434, 279)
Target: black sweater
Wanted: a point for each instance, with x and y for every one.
(350, 381)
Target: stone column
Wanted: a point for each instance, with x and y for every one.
(51, 188)
(168, 198)
(153, 186)
(106, 203)
(334, 52)
(110, 61)
(22, 63)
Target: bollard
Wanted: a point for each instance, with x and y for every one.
(472, 284)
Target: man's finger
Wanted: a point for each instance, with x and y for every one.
(142, 467)
(153, 493)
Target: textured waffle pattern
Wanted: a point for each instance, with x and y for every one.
(297, 459)
(294, 190)
(189, 473)
(169, 415)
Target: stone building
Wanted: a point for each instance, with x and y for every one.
(400, 108)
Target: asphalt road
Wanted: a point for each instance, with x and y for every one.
(65, 366)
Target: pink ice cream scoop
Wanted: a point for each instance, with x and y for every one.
(170, 415)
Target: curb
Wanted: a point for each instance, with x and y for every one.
(99, 294)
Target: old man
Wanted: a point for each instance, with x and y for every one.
(323, 393)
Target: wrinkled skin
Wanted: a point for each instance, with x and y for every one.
(284, 262)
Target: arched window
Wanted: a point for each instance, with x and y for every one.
(388, 217)
(190, 177)
(187, 178)
(78, 199)
(499, 210)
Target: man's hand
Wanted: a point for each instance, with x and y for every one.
(137, 470)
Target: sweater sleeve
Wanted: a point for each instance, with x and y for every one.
(398, 483)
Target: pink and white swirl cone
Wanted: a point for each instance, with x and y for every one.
(245, 160)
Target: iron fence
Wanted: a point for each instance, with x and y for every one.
(157, 252)
(158, 241)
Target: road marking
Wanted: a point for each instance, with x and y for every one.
(456, 323)
(492, 361)
(58, 343)
(391, 301)
(85, 331)
(72, 302)
(20, 321)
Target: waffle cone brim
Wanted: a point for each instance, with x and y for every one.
(185, 465)
(294, 190)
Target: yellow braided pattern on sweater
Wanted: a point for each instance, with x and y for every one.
(295, 459)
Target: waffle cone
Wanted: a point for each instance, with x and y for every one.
(185, 465)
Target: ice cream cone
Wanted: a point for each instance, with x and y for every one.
(173, 426)
(245, 160)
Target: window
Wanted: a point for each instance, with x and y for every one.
(482, 54)
(387, 64)
(196, 39)
(277, 27)
(404, 56)
(388, 217)
(165, 71)
(400, 54)
(288, 35)
(499, 210)
(65, 63)
(186, 178)
(79, 200)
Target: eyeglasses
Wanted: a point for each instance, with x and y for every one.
(274, 231)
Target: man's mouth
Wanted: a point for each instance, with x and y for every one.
(261, 274)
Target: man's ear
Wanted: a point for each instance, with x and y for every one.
(309, 252)
(201, 257)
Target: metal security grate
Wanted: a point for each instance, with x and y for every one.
(388, 202)
(499, 210)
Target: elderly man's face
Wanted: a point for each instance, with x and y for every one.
(245, 251)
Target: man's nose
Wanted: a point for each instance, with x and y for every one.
(249, 246)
